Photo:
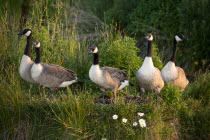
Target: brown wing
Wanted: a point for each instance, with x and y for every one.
(57, 72)
(115, 73)
(181, 80)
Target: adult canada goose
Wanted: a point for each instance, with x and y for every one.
(26, 62)
(50, 75)
(106, 78)
(149, 77)
(173, 74)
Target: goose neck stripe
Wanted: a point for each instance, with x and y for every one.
(96, 59)
(149, 50)
(28, 46)
(173, 57)
(38, 56)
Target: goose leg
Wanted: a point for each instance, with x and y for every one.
(53, 91)
(142, 93)
(103, 90)
(157, 95)
(41, 88)
(115, 95)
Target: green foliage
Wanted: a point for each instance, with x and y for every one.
(194, 120)
(171, 95)
(166, 19)
(194, 116)
(122, 54)
(200, 89)
(28, 113)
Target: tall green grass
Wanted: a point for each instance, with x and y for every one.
(27, 113)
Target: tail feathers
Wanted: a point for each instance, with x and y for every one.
(124, 84)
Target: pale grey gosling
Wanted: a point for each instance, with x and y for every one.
(26, 62)
(149, 77)
(171, 73)
(50, 75)
(107, 78)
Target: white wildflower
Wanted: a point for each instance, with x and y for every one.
(140, 114)
(124, 120)
(103, 139)
(143, 124)
(141, 121)
(115, 117)
(135, 124)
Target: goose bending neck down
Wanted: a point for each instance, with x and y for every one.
(171, 73)
(50, 75)
(107, 78)
(149, 77)
(26, 62)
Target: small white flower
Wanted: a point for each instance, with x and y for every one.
(141, 121)
(124, 120)
(140, 114)
(103, 139)
(143, 124)
(115, 117)
(135, 124)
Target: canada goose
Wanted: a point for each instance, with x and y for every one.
(26, 62)
(173, 74)
(50, 75)
(106, 78)
(149, 77)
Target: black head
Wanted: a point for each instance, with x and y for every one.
(36, 44)
(179, 38)
(26, 32)
(93, 49)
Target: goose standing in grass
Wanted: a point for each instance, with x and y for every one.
(26, 62)
(50, 75)
(149, 77)
(173, 74)
(107, 78)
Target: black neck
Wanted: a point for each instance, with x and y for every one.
(28, 45)
(173, 57)
(38, 57)
(96, 59)
(149, 50)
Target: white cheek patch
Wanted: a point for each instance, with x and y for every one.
(38, 45)
(28, 33)
(177, 38)
(151, 38)
(96, 50)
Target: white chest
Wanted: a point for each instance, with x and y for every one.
(95, 74)
(169, 72)
(147, 69)
(36, 70)
(25, 64)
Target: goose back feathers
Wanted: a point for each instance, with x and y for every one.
(107, 78)
(50, 75)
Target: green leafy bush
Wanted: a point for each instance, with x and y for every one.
(199, 89)
(121, 53)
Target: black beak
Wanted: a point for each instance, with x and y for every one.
(90, 51)
(185, 38)
(21, 33)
